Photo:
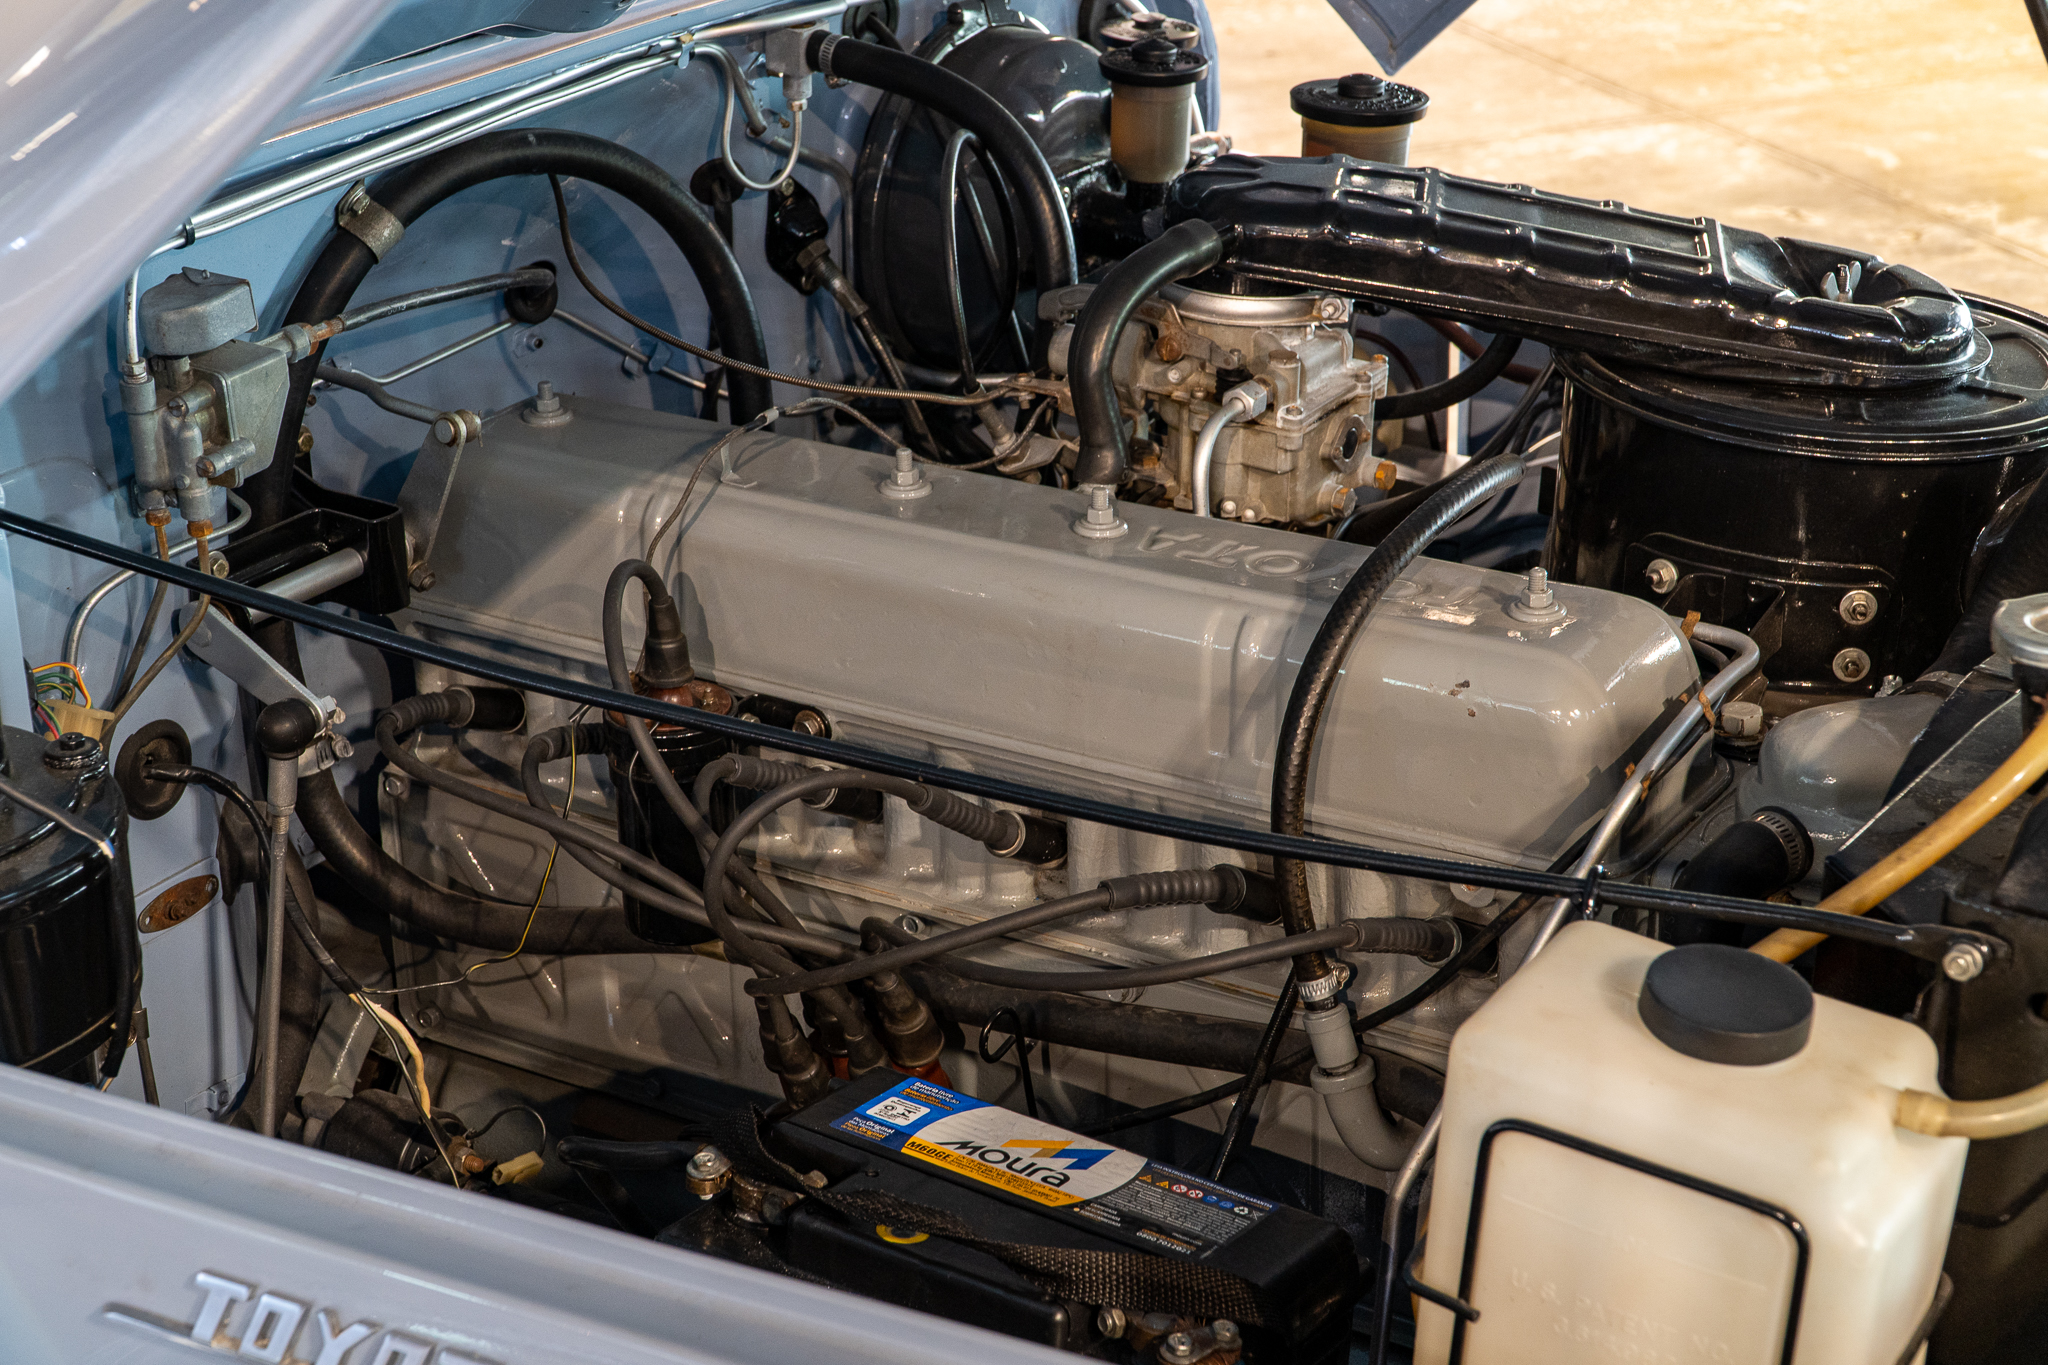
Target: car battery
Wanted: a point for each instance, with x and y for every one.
(1015, 1181)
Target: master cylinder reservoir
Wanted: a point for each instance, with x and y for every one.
(1681, 1154)
(1151, 98)
(1359, 115)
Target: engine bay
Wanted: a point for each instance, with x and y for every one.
(834, 640)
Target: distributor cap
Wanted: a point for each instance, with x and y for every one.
(1155, 63)
(1360, 100)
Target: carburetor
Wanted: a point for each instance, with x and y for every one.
(1294, 448)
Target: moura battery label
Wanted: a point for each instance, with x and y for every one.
(1106, 1187)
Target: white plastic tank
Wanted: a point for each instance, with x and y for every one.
(1702, 1170)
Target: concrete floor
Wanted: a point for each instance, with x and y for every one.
(1915, 129)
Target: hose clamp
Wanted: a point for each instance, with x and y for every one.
(1318, 989)
(824, 62)
(368, 221)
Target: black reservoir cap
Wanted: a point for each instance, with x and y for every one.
(1359, 100)
(1722, 1004)
(1153, 62)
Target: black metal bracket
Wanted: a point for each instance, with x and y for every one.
(320, 522)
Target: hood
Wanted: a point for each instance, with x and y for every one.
(117, 118)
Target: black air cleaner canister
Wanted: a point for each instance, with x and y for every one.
(1837, 524)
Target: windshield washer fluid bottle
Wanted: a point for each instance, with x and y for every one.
(1681, 1156)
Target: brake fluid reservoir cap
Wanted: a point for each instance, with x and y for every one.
(1722, 1004)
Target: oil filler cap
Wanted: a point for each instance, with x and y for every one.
(1722, 1004)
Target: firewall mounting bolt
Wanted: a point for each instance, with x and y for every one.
(907, 481)
(1661, 575)
(1962, 961)
(1536, 602)
(1858, 607)
(1101, 521)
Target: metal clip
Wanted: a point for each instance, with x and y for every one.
(368, 221)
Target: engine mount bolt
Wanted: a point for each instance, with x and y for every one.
(1661, 575)
(1537, 602)
(1178, 1348)
(1226, 1334)
(1857, 607)
(1852, 665)
(1101, 521)
(1111, 1323)
(1333, 309)
(1962, 961)
(907, 481)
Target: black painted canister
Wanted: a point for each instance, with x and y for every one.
(67, 919)
(646, 824)
(1837, 525)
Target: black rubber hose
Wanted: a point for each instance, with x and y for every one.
(1754, 858)
(2018, 567)
(1025, 171)
(410, 190)
(1185, 249)
(1324, 662)
(1456, 389)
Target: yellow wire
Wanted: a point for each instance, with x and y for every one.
(72, 669)
(2027, 765)
(547, 871)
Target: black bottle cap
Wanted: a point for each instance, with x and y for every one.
(1358, 101)
(1153, 62)
(1722, 1004)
